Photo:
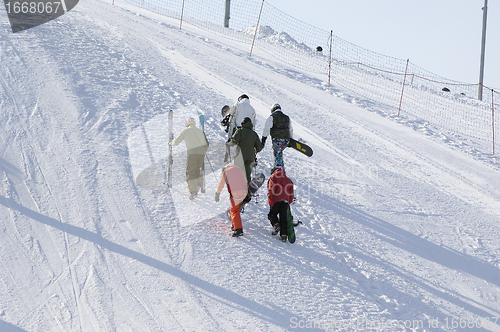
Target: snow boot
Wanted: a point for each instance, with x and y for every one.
(276, 228)
(284, 238)
(237, 232)
(193, 195)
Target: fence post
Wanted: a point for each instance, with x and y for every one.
(483, 42)
(226, 13)
(330, 61)
(256, 28)
(493, 116)
(402, 91)
(182, 14)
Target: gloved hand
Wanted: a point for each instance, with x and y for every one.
(217, 197)
(264, 138)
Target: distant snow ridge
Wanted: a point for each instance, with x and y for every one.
(281, 38)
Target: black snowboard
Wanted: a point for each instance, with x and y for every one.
(299, 146)
(254, 185)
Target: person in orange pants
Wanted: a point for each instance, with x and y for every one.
(236, 182)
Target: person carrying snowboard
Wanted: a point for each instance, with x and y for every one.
(279, 195)
(279, 126)
(196, 145)
(237, 186)
(242, 109)
(249, 144)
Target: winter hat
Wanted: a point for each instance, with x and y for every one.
(190, 120)
(246, 120)
(243, 97)
(225, 109)
(275, 107)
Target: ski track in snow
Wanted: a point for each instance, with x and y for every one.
(398, 223)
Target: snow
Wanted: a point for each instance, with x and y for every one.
(277, 37)
(401, 220)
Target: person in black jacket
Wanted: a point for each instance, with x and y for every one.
(279, 126)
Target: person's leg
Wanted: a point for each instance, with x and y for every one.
(235, 214)
(273, 218)
(273, 215)
(248, 170)
(193, 176)
(283, 213)
(190, 175)
(199, 163)
(278, 146)
(277, 153)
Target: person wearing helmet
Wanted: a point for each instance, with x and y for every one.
(196, 145)
(242, 109)
(279, 126)
(249, 144)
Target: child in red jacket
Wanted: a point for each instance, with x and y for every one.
(280, 195)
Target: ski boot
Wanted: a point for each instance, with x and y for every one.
(237, 232)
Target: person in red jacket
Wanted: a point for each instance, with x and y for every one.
(237, 186)
(279, 195)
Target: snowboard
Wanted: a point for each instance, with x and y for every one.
(229, 130)
(290, 225)
(254, 185)
(300, 146)
(202, 171)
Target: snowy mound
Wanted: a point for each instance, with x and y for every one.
(281, 38)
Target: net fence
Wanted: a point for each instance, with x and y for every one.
(396, 83)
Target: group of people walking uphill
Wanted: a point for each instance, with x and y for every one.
(239, 122)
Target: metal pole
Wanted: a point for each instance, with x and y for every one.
(182, 14)
(483, 43)
(330, 60)
(257, 27)
(403, 90)
(226, 14)
(493, 116)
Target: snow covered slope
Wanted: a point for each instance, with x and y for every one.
(401, 223)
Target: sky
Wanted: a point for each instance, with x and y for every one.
(443, 37)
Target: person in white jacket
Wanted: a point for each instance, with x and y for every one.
(242, 109)
(196, 145)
